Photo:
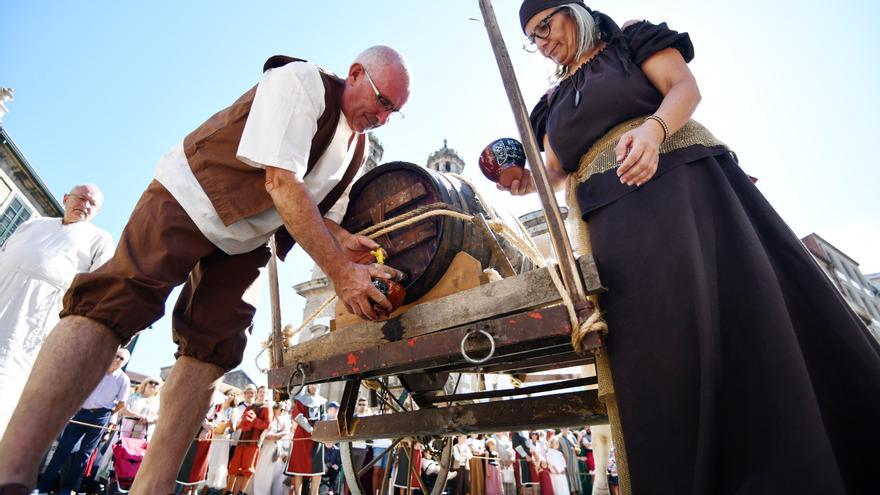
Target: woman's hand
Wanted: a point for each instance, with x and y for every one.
(520, 187)
(526, 184)
(638, 152)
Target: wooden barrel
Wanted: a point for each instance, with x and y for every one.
(424, 250)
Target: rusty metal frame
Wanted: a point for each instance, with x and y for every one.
(560, 410)
(548, 327)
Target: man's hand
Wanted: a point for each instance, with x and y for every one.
(354, 286)
(359, 248)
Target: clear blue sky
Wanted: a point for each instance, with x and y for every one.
(104, 88)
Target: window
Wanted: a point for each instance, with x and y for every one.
(15, 214)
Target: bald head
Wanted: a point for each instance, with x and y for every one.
(82, 203)
(377, 86)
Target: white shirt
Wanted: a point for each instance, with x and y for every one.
(278, 133)
(48, 250)
(112, 389)
(145, 406)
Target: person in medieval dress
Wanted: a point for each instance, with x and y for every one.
(477, 465)
(568, 445)
(277, 162)
(255, 420)
(306, 456)
(194, 468)
(218, 457)
(523, 467)
(713, 304)
(557, 466)
(270, 469)
(505, 462)
(405, 476)
(494, 485)
(37, 264)
(461, 457)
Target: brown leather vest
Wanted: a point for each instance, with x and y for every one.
(238, 190)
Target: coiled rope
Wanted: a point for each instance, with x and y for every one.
(520, 240)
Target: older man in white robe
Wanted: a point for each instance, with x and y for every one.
(37, 264)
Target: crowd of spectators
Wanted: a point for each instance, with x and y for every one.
(543, 462)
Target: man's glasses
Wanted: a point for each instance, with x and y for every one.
(153, 383)
(90, 202)
(393, 113)
(120, 358)
(542, 30)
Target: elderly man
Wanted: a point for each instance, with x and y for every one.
(38, 263)
(274, 162)
(85, 427)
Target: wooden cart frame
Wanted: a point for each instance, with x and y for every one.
(515, 325)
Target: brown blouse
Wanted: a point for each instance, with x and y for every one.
(609, 89)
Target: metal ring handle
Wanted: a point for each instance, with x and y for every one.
(257, 361)
(488, 336)
(302, 383)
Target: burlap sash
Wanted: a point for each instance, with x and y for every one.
(601, 158)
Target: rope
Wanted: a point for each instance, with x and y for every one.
(520, 240)
(371, 384)
(526, 244)
(114, 427)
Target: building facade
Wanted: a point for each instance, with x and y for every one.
(23, 195)
(862, 295)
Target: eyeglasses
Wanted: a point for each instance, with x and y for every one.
(120, 358)
(393, 113)
(155, 384)
(92, 203)
(542, 30)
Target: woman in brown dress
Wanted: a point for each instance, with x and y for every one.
(738, 367)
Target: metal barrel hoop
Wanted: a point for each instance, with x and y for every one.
(488, 336)
(300, 370)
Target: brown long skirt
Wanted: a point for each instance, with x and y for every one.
(738, 367)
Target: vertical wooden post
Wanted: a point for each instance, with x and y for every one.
(562, 246)
(277, 353)
(555, 226)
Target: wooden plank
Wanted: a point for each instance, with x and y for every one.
(513, 294)
(558, 235)
(439, 351)
(567, 382)
(511, 334)
(549, 411)
(390, 204)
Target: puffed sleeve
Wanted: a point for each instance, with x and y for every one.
(645, 39)
(538, 119)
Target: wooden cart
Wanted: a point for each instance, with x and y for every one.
(414, 361)
(516, 325)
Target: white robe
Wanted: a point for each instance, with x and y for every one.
(559, 479)
(269, 476)
(37, 265)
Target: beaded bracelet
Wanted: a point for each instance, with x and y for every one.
(662, 124)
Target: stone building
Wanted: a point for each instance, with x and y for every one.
(23, 195)
(445, 160)
(862, 295)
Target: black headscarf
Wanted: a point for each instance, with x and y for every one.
(529, 8)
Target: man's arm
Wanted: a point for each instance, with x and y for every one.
(300, 214)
